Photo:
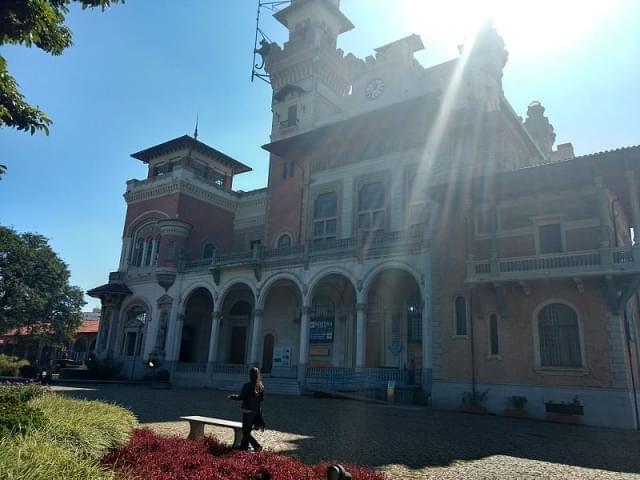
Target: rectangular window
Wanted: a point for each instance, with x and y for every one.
(159, 171)
(130, 344)
(461, 316)
(325, 217)
(371, 207)
(494, 347)
(550, 238)
(255, 244)
(171, 250)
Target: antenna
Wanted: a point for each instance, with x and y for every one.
(262, 42)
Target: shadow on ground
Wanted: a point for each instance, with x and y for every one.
(379, 435)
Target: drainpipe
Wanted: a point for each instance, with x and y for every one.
(471, 336)
(633, 380)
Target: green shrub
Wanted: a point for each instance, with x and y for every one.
(89, 428)
(475, 398)
(10, 366)
(16, 415)
(34, 457)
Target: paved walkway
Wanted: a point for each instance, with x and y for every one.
(405, 442)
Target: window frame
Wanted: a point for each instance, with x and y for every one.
(455, 316)
(324, 221)
(490, 354)
(539, 368)
(133, 326)
(205, 245)
(281, 237)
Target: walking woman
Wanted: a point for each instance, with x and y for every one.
(251, 395)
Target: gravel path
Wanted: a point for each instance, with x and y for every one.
(405, 442)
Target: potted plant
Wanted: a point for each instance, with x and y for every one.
(516, 407)
(564, 412)
(473, 402)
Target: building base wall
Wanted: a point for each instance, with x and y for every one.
(604, 407)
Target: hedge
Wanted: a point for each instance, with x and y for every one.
(17, 416)
(90, 428)
(10, 366)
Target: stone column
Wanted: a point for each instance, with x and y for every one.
(255, 336)
(635, 206)
(173, 355)
(113, 332)
(103, 332)
(427, 355)
(303, 361)
(154, 250)
(605, 214)
(361, 335)
(145, 247)
(126, 253)
(213, 341)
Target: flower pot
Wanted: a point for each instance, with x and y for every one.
(477, 409)
(516, 413)
(562, 418)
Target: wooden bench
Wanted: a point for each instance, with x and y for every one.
(197, 423)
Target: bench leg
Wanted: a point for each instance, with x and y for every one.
(196, 430)
(237, 437)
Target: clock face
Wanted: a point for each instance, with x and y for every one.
(374, 89)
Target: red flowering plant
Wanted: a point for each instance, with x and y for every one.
(151, 456)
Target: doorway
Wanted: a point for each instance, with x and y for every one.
(267, 353)
(238, 345)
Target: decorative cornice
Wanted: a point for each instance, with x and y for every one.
(180, 186)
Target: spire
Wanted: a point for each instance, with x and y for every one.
(195, 132)
(539, 127)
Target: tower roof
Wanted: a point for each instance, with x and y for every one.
(186, 141)
(331, 6)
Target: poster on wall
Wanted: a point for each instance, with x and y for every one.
(321, 330)
(282, 357)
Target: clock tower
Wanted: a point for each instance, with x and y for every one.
(308, 74)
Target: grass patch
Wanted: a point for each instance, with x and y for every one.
(89, 428)
(34, 457)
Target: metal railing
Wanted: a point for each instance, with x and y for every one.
(556, 264)
(378, 244)
(188, 367)
(229, 369)
(369, 383)
(289, 122)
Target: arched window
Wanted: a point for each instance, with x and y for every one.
(559, 337)
(135, 321)
(494, 344)
(150, 243)
(461, 316)
(208, 250)
(284, 241)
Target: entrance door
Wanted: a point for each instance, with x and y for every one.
(267, 353)
(238, 344)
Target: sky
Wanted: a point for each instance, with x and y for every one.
(138, 74)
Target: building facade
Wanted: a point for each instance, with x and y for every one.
(414, 229)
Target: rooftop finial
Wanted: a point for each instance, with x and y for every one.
(195, 132)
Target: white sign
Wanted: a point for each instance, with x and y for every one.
(282, 357)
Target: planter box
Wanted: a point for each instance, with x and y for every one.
(516, 413)
(562, 418)
(477, 409)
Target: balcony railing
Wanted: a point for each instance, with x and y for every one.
(589, 262)
(289, 122)
(385, 244)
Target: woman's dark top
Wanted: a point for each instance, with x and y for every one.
(250, 399)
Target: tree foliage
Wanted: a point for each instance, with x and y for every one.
(34, 289)
(29, 23)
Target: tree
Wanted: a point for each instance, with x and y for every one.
(28, 23)
(34, 289)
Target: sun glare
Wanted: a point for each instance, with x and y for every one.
(539, 27)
